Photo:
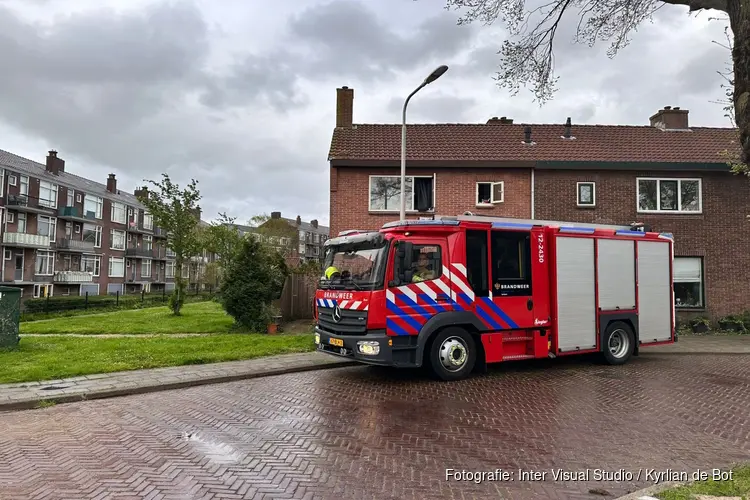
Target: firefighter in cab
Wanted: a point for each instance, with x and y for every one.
(332, 273)
(422, 270)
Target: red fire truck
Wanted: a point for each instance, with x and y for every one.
(457, 293)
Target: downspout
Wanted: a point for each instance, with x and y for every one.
(532, 193)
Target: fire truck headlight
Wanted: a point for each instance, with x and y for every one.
(317, 338)
(368, 347)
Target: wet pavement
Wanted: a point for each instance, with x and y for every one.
(365, 432)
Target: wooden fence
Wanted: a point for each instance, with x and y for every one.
(297, 298)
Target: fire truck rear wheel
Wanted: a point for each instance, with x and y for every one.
(619, 342)
(452, 354)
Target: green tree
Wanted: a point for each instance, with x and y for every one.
(273, 230)
(252, 281)
(527, 59)
(223, 239)
(175, 210)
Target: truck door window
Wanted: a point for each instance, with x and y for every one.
(511, 262)
(427, 262)
(476, 262)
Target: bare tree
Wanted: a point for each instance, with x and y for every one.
(529, 58)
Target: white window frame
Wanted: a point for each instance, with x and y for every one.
(79, 198)
(50, 255)
(109, 267)
(52, 224)
(143, 267)
(658, 181)
(52, 188)
(23, 188)
(22, 217)
(398, 208)
(71, 197)
(97, 232)
(701, 281)
(112, 239)
(170, 269)
(493, 201)
(9, 217)
(148, 221)
(593, 194)
(12, 180)
(7, 254)
(98, 201)
(119, 208)
(97, 266)
(147, 238)
(38, 290)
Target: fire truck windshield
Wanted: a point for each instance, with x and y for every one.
(354, 266)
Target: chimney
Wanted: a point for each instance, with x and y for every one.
(314, 223)
(112, 184)
(670, 118)
(500, 121)
(53, 164)
(197, 212)
(527, 135)
(141, 193)
(567, 134)
(299, 220)
(344, 107)
(276, 215)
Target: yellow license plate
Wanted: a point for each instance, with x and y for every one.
(336, 342)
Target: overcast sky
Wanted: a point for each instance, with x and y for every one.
(240, 95)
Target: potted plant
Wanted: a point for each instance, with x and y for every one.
(732, 323)
(700, 325)
(273, 318)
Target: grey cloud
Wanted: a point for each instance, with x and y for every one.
(435, 109)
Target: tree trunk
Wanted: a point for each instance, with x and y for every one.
(739, 18)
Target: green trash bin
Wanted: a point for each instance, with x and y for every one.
(10, 315)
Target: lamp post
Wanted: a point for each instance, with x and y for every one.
(431, 78)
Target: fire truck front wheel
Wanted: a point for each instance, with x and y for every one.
(452, 354)
(619, 342)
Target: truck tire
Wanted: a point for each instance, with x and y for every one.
(619, 343)
(452, 354)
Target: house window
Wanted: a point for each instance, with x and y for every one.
(145, 268)
(47, 194)
(9, 217)
(7, 255)
(148, 221)
(688, 282)
(46, 226)
(669, 195)
(148, 244)
(41, 291)
(71, 197)
(93, 234)
(385, 193)
(78, 198)
(169, 270)
(91, 264)
(116, 239)
(93, 204)
(12, 181)
(24, 186)
(45, 263)
(119, 213)
(585, 194)
(21, 223)
(489, 193)
(116, 267)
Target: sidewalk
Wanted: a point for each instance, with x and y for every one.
(29, 394)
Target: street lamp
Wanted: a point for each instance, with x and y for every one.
(431, 78)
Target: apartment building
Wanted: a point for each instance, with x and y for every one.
(296, 240)
(666, 173)
(63, 234)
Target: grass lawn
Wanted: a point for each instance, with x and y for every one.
(738, 486)
(47, 358)
(199, 317)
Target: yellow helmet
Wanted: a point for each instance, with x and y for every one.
(331, 271)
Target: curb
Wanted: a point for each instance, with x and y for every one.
(112, 393)
(646, 493)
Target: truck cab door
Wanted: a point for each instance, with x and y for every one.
(518, 276)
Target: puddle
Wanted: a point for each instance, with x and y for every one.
(217, 452)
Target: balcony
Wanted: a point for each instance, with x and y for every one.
(25, 240)
(74, 214)
(25, 203)
(72, 277)
(75, 246)
(137, 227)
(139, 252)
(160, 233)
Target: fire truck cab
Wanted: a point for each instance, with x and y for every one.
(455, 293)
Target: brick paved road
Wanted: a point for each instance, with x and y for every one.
(368, 433)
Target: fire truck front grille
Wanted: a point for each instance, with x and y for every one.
(351, 322)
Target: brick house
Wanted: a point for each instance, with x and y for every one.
(667, 174)
(298, 241)
(66, 235)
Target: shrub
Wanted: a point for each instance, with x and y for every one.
(253, 280)
(733, 323)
